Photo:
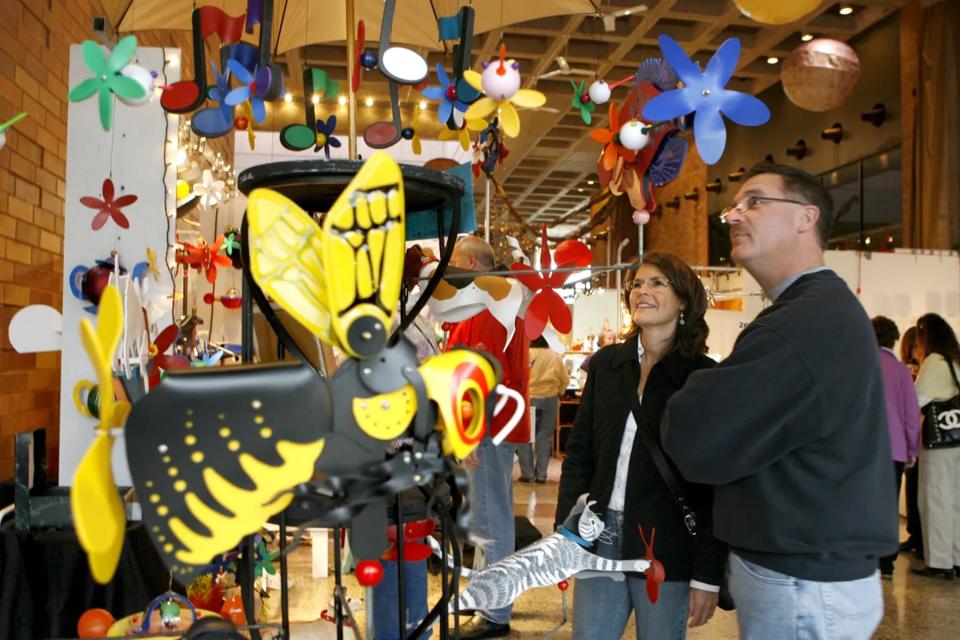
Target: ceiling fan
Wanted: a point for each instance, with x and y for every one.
(564, 69)
(610, 15)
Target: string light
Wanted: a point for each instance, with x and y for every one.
(368, 102)
(807, 37)
(423, 105)
(342, 100)
(773, 60)
(846, 10)
(315, 99)
(287, 97)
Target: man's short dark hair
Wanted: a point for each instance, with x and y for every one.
(805, 187)
(886, 330)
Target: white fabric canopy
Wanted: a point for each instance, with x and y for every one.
(318, 21)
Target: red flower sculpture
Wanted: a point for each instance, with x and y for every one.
(108, 207)
(159, 360)
(204, 257)
(547, 303)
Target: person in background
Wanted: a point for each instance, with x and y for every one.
(490, 467)
(548, 380)
(608, 458)
(790, 428)
(911, 354)
(607, 336)
(939, 494)
(903, 413)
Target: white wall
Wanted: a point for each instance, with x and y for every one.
(132, 153)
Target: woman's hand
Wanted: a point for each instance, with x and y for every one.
(702, 606)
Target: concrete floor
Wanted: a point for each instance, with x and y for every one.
(915, 607)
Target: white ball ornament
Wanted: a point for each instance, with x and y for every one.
(641, 217)
(632, 136)
(142, 77)
(501, 81)
(599, 92)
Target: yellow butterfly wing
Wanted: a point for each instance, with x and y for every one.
(285, 249)
(343, 282)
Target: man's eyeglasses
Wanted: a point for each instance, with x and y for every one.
(752, 202)
(654, 284)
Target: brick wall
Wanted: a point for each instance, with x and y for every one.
(35, 38)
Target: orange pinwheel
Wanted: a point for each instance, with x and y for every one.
(610, 138)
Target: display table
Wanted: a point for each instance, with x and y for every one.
(46, 582)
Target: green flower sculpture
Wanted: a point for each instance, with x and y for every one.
(107, 79)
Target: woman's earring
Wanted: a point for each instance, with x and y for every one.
(682, 321)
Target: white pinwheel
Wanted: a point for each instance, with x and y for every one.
(211, 192)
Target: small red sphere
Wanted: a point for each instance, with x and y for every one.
(451, 92)
(585, 98)
(369, 573)
(94, 282)
(563, 585)
(241, 123)
(94, 623)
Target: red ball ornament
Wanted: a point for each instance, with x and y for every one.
(94, 282)
(563, 585)
(369, 573)
(585, 98)
(241, 123)
(94, 623)
(451, 92)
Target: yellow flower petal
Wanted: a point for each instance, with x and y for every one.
(528, 98)
(509, 120)
(481, 108)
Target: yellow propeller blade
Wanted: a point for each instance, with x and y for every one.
(97, 511)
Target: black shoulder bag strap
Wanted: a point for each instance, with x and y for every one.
(660, 461)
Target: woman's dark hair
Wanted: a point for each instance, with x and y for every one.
(539, 343)
(937, 336)
(907, 343)
(886, 330)
(691, 336)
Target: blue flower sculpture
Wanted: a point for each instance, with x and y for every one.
(704, 94)
(255, 88)
(325, 138)
(218, 93)
(447, 94)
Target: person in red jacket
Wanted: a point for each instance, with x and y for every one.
(490, 467)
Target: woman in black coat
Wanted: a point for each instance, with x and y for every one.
(608, 459)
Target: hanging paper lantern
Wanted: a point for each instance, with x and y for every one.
(769, 12)
(821, 74)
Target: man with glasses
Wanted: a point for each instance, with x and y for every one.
(791, 428)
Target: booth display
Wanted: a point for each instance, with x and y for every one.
(236, 363)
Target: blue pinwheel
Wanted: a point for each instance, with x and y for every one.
(325, 138)
(704, 94)
(220, 90)
(447, 94)
(254, 88)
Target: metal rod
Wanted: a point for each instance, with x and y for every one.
(337, 580)
(352, 96)
(508, 272)
(284, 577)
(486, 209)
(401, 592)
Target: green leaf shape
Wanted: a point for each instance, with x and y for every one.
(84, 90)
(126, 88)
(93, 58)
(123, 53)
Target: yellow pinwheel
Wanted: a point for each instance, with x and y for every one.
(500, 83)
(463, 133)
(98, 514)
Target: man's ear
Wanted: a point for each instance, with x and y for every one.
(808, 217)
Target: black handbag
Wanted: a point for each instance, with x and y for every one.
(941, 420)
(725, 601)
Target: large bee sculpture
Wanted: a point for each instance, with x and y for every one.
(214, 453)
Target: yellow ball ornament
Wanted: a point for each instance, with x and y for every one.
(769, 12)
